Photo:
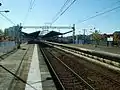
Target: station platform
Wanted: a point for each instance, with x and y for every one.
(38, 74)
(12, 63)
(109, 49)
(28, 64)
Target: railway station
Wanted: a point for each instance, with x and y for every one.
(65, 55)
(46, 62)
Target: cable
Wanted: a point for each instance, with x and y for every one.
(99, 14)
(63, 12)
(2, 1)
(8, 19)
(109, 6)
(102, 10)
(29, 10)
(17, 77)
(32, 4)
(61, 9)
(48, 78)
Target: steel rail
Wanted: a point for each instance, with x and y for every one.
(85, 57)
(106, 76)
(105, 55)
(113, 68)
(99, 54)
(90, 87)
(45, 57)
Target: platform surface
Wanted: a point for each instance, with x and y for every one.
(11, 63)
(38, 73)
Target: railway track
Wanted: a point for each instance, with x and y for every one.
(98, 80)
(68, 78)
(108, 58)
(117, 64)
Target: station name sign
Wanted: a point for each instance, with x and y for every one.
(48, 27)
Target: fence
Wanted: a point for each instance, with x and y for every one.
(6, 46)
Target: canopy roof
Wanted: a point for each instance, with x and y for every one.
(31, 35)
(51, 34)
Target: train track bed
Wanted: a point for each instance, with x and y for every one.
(98, 77)
(67, 77)
(99, 56)
(13, 63)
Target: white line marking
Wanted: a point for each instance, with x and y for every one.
(34, 72)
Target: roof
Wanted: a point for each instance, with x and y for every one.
(31, 35)
(51, 34)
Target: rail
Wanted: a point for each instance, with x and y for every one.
(59, 85)
(72, 71)
(105, 55)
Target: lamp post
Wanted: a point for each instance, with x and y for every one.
(6, 11)
(0, 4)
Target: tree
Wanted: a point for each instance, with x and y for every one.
(96, 37)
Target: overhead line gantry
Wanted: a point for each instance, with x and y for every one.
(53, 27)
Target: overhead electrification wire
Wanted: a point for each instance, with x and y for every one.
(8, 19)
(109, 6)
(64, 11)
(62, 8)
(32, 4)
(99, 14)
(29, 10)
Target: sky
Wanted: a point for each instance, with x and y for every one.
(43, 12)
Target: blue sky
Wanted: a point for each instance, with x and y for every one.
(44, 10)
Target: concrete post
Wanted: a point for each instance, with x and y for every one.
(73, 33)
(18, 35)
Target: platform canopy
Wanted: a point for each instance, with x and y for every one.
(51, 34)
(31, 35)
